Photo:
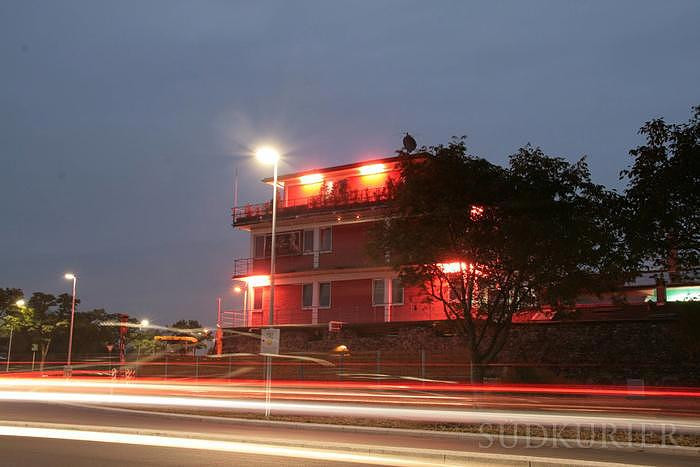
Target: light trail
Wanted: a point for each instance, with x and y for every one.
(460, 416)
(208, 444)
(382, 394)
(620, 391)
(201, 388)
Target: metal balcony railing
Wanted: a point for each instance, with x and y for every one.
(261, 211)
(242, 267)
(233, 318)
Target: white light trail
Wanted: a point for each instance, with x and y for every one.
(679, 424)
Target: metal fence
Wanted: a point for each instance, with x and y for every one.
(422, 365)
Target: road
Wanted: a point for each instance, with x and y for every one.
(27, 452)
(257, 437)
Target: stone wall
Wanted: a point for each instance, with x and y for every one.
(595, 352)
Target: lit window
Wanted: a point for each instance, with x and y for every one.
(308, 241)
(396, 292)
(324, 295)
(307, 295)
(326, 239)
(378, 292)
(257, 298)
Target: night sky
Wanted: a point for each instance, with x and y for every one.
(121, 123)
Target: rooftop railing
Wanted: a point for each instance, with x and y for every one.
(261, 211)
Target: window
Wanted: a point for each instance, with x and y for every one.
(378, 292)
(257, 298)
(324, 295)
(286, 244)
(326, 239)
(308, 241)
(307, 295)
(259, 246)
(396, 292)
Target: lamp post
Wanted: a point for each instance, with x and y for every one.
(219, 330)
(19, 304)
(244, 290)
(269, 155)
(143, 324)
(69, 276)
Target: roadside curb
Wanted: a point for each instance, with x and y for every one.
(668, 449)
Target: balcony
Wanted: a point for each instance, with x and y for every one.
(233, 318)
(261, 212)
(244, 267)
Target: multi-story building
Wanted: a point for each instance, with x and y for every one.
(323, 271)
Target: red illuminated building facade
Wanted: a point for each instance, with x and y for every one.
(323, 271)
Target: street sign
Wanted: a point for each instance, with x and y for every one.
(270, 341)
(35, 347)
(269, 344)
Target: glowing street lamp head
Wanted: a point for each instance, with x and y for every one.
(267, 155)
(145, 322)
(237, 289)
(20, 303)
(69, 276)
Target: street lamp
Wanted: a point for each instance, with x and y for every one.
(269, 155)
(19, 304)
(244, 290)
(144, 323)
(71, 277)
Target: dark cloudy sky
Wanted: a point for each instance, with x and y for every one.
(121, 122)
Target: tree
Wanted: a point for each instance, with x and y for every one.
(193, 328)
(46, 319)
(186, 324)
(663, 226)
(90, 335)
(487, 242)
(8, 308)
(8, 298)
(13, 318)
(143, 340)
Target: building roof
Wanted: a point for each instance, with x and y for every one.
(337, 168)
